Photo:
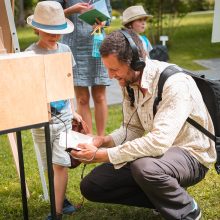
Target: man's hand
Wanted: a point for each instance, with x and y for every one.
(103, 141)
(90, 154)
(98, 141)
(77, 8)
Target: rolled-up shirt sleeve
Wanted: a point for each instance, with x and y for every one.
(172, 113)
(124, 134)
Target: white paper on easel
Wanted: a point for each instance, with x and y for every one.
(216, 26)
(71, 139)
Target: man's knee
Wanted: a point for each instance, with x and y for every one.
(89, 190)
(146, 170)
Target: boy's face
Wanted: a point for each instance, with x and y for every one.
(139, 25)
(49, 39)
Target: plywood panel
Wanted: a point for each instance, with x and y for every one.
(23, 99)
(5, 27)
(59, 76)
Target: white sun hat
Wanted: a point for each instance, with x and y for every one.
(133, 13)
(49, 17)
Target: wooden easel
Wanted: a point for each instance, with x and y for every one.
(6, 46)
(47, 78)
(2, 47)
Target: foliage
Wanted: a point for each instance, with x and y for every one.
(116, 13)
(191, 41)
(23, 8)
(165, 12)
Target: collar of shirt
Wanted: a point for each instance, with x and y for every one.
(150, 73)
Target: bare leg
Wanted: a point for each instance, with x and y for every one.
(101, 109)
(60, 183)
(82, 98)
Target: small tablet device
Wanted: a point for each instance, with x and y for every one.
(71, 139)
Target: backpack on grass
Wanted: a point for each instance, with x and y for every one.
(210, 90)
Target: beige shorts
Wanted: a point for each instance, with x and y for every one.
(59, 155)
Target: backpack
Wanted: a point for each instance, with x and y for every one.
(159, 52)
(210, 90)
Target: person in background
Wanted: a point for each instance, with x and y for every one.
(135, 18)
(89, 72)
(49, 23)
(154, 156)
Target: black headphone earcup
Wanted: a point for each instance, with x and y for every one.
(138, 65)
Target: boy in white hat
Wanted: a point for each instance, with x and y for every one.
(50, 23)
(135, 18)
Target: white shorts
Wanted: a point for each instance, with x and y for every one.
(59, 155)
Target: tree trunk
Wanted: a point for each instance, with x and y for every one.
(21, 21)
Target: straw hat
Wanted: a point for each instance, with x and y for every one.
(133, 13)
(49, 17)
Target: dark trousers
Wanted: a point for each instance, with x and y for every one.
(148, 182)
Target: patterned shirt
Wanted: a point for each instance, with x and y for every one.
(153, 136)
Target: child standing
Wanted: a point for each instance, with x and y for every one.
(135, 18)
(50, 23)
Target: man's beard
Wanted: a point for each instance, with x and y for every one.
(136, 78)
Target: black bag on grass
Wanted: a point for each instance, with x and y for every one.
(210, 90)
(159, 52)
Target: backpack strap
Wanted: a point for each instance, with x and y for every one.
(202, 129)
(169, 71)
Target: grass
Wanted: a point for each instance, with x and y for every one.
(191, 41)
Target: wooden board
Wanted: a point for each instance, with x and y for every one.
(4, 24)
(28, 82)
(23, 94)
(59, 76)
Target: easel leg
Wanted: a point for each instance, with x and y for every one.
(50, 171)
(14, 148)
(22, 175)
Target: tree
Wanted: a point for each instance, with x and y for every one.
(21, 21)
(167, 14)
(22, 9)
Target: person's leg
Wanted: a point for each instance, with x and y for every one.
(83, 108)
(163, 180)
(60, 184)
(101, 109)
(61, 160)
(108, 185)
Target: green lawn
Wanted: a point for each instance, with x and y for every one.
(191, 41)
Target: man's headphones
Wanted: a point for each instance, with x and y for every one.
(137, 63)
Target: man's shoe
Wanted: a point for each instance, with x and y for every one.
(68, 207)
(155, 212)
(195, 214)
